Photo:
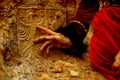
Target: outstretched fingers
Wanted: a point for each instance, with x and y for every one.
(39, 38)
(45, 37)
(48, 48)
(46, 30)
(47, 43)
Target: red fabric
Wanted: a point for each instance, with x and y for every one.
(105, 42)
(86, 11)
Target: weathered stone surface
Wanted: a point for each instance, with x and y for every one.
(20, 58)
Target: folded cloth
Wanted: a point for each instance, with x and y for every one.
(105, 42)
(86, 11)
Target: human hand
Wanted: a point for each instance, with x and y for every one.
(116, 64)
(53, 39)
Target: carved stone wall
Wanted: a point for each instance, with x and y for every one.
(21, 59)
(18, 19)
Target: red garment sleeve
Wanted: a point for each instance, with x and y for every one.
(105, 42)
(86, 10)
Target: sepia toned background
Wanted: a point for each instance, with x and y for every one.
(21, 59)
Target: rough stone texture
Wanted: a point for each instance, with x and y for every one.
(20, 59)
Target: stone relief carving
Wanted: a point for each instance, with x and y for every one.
(56, 18)
(21, 17)
(27, 20)
(18, 20)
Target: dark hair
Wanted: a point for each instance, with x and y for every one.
(76, 33)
